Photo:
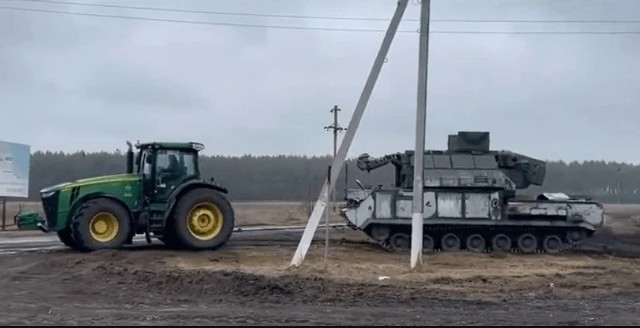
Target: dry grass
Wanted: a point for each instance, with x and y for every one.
(463, 272)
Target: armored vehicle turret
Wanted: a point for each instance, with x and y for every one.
(470, 202)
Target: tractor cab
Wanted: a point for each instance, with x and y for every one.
(164, 166)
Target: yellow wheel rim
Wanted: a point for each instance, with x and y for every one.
(103, 227)
(205, 221)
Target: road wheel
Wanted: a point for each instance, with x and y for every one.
(576, 236)
(100, 224)
(527, 243)
(552, 244)
(400, 242)
(476, 243)
(501, 243)
(428, 244)
(203, 219)
(450, 242)
(67, 239)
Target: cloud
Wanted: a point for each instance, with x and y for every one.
(75, 82)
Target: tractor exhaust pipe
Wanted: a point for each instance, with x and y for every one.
(129, 158)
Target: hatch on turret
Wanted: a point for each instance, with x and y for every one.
(469, 141)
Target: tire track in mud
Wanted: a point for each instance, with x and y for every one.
(131, 292)
(604, 242)
(614, 245)
(122, 287)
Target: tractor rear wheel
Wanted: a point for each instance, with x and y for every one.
(169, 236)
(203, 219)
(100, 224)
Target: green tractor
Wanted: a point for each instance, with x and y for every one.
(164, 197)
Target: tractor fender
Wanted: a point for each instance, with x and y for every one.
(78, 202)
(186, 187)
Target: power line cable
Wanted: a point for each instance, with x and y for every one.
(208, 12)
(284, 27)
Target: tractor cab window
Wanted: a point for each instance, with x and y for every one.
(172, 167)
(175, 162)
(146, 168)
(189, 161)
(145, 163)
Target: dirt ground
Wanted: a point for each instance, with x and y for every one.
(249, 283)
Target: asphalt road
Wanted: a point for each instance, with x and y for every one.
(241, 235)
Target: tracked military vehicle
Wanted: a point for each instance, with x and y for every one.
(471, 202)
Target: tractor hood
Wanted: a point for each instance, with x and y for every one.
(90, 181)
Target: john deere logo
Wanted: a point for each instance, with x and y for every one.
(127, 191)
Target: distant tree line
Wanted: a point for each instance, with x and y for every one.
(299, 178)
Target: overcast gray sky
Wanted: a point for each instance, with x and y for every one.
(77, 82)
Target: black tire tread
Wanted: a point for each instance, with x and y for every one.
(180, 231)
(83, 213)
(66, 237)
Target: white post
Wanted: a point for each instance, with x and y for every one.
(326, 220)
(417, 219)
(321, 204)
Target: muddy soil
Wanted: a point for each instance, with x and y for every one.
(249, 283)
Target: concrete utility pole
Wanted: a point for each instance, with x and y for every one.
(417, 220)
(332, 190)
(336, 129)
(314, 218)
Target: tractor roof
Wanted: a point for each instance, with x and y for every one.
(171, 145)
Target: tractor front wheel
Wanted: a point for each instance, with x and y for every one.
(67, 239)
(203, 219)
(100, 224)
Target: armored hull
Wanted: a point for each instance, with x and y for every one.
(471, 203)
